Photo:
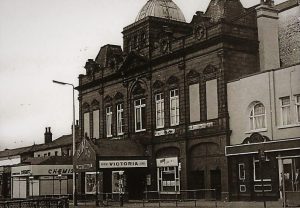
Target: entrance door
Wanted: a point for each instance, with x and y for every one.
(135, 184)
(197, 182)
(215, 182)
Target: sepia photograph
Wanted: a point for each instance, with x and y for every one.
(149, 103)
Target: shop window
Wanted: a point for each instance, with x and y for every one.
(168, 179)
(159, 109)
(96, 130)
(212, 99)
(90, 182)
(86, 124)
(297, 103)
(174, 107)
(118, 182)
(259, 188)
(291, 168)
(257, 117)
(120, 119)
(266, 166)
(242, 171)
(194, 103)
(109, 121)
(140, 115)
(243, 188)
(285, 104)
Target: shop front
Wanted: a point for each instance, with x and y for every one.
(168, 175)
(263, 169)
(5, 182)
(41, 180)
(126, 176)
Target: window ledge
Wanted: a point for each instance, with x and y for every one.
(265, 180)
(256, 130)
(289, 126)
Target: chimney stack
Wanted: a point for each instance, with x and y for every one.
(48, 135)
(267, 25)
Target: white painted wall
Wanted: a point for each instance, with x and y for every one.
(52, 152)
(267, 88)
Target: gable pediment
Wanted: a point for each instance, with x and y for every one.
(85, 156)
(132, 62)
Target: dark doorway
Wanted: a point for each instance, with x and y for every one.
(135, 183)
(197, 182)
(107, 186)
(215, 183)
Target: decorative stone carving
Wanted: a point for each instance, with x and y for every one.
(199, 31)
(209, 69)
(256, 138)
(138, 90)
(118, 96)
(172, 80)
(158, 84)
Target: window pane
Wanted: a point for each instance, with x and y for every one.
(259, 109)
(86, 124)
(138, 118)
(143, 118)
(194, 103)
(96, 129)
(285, 100)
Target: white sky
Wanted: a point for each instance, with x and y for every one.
(42, 40)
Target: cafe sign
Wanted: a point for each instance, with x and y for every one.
(123, 164)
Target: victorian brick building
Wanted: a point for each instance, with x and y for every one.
(157, 109)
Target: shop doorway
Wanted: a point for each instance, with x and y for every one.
(136, 181)
(215, 183)
(197, 181)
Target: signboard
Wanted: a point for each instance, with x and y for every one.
(45, 170)
(84, 166)
(164, 132)
(123, 164)
(201, 126)
(21, 171)
(167, 162)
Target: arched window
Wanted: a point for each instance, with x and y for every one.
(257, 116)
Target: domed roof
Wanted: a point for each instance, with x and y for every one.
(161, 8)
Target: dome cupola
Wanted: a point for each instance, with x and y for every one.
(161, 8)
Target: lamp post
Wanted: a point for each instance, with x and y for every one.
(74, 142)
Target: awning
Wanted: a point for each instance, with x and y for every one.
(269, 146)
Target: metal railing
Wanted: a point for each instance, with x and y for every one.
(104, 199)
(37, 203)
(195, 196)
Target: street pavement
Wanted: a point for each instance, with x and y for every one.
(201, 204)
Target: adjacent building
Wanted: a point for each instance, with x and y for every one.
(37, 170)
(264, 112)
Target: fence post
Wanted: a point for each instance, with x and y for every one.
(159, 199)
(195, 197)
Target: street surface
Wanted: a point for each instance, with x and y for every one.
(201, 204)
